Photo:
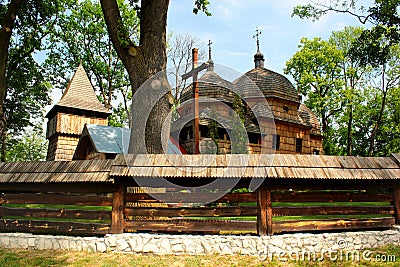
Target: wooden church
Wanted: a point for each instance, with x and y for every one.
(78, 128)
(275, 120)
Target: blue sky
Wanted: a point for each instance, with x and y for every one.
(233, 23)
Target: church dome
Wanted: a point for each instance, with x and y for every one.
(211, 85)
(270, 83)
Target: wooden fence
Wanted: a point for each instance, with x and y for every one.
(83, 214)
(264, 212)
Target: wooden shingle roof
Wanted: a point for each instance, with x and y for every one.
(309, 118)
(211, 85)
(277, 166)
(271, 84)
(80, 95)
(55, 171)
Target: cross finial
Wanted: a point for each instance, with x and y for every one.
(257, 37)
(209, 49)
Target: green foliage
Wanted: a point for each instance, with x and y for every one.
(358, 105)
(239, 138)
(316, 68)
(374, 44)
(81, 35)
(27, 92)
(201, 5)
(31, 146)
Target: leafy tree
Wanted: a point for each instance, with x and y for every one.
(80, 35)
(143, 59)
(353, 74)
(366, 96)
(27, 95)
(31, 146)
(316, 68)
(382, 14)
(23, 91)
(390, 78)
(8, 16)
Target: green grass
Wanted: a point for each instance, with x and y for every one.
(28, 258)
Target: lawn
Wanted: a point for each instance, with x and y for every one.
(27, 258)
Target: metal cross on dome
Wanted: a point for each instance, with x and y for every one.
(209, 49)
(256, 36)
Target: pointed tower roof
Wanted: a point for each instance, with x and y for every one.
(80, 95)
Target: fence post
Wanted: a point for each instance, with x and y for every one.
(396, 202)
(117, 214)
(264, 215)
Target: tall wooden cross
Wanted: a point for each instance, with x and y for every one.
(194, 73)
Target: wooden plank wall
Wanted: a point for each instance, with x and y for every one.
(72, 214)
(265, 212)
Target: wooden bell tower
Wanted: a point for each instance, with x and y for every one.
(78, 106)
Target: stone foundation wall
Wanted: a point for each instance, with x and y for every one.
(207, 244)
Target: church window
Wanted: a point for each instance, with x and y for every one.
(276, 140)
(299, 144)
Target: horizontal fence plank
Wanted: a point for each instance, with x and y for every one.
(50, 227)
(279, 197)
(331, 197)
(335, 224)
(55, 199)
(332, 210)
(56, 213)
(70, 187)
(228, 198)
(200, 211)
(190, 225)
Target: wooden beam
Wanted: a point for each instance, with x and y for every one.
(396, 203)
(331, 197)
(228, 198)
(117, 214)
(333, 224)
(190, 225)
(332, 210)
(264, 216)
(56, 213)
(58, 187)
(54, 199)
(200, 211)
(54, 227)
(288, 196)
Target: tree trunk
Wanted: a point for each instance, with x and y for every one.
(349, 146)
(3, 145)
(380, 115)
(7, 26)
(141, 63)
